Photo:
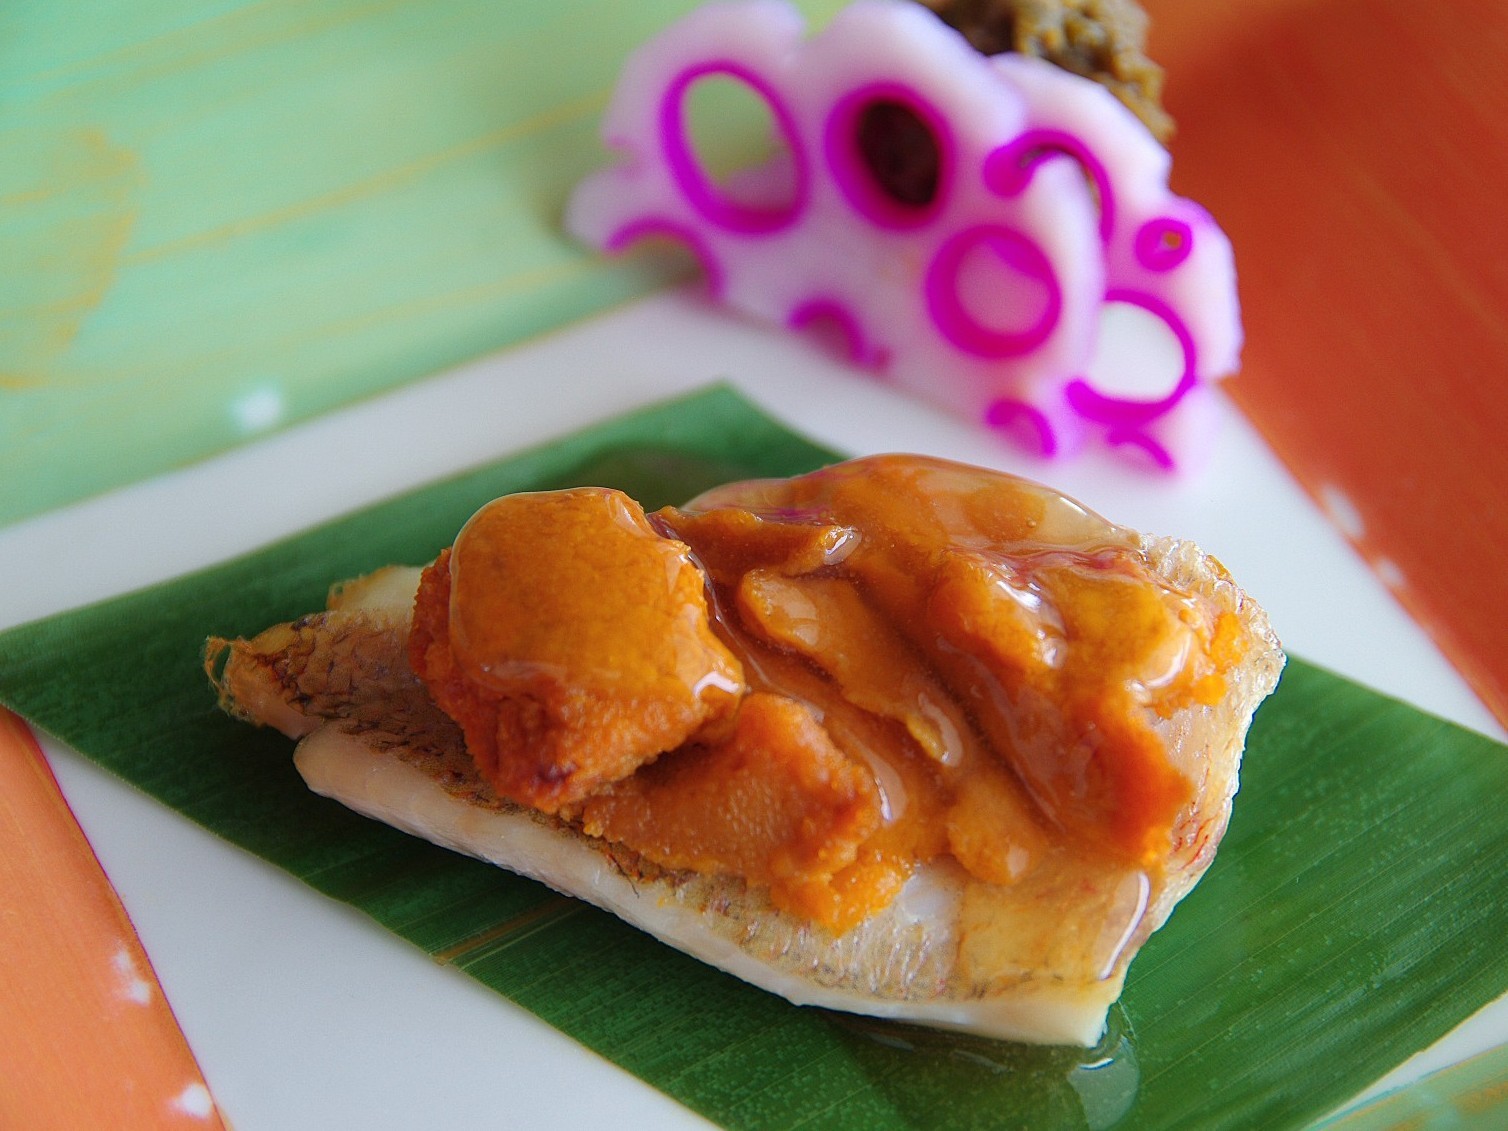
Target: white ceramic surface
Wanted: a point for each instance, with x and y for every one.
(328, 1021)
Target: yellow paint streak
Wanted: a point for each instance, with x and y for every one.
(1487, 1098)
(127, 382)
(69, 209)
(389, 179)
(218, 37)
(520, 282)
(29, 198)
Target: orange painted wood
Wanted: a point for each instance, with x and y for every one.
(86, 1037)
(1358, 156)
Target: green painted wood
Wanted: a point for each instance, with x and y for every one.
(218, 217)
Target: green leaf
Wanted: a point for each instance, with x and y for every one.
(1350, 919)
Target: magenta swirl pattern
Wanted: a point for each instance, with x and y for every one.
(961, 225)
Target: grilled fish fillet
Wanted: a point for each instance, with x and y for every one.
(1038, 961)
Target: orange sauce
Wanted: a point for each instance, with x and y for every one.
(826, 681)
(571, 643)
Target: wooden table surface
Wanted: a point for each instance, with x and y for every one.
(1358, 156)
